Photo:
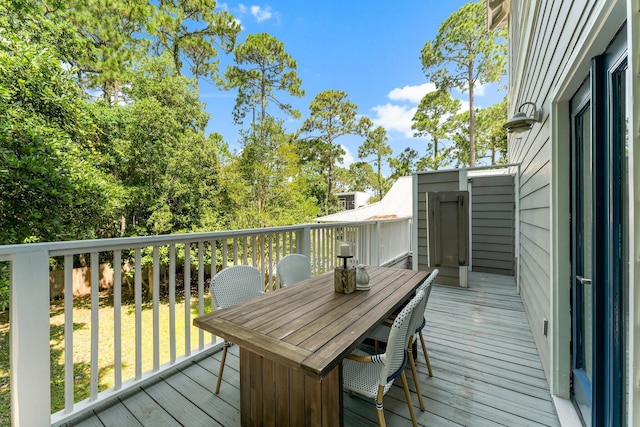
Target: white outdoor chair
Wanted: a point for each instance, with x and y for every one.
(293, 268)
(373, 375)
(381, 333)
(423, 322)
(231, 286)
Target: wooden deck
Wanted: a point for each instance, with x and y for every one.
(486, 373)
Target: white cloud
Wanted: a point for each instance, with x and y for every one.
(411, 93)
(395, 118)
(261, 14)
(478, 90)
(347, 159)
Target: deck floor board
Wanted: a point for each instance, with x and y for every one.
(487, 372)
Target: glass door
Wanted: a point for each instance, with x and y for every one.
(582, 234)
(599, 239)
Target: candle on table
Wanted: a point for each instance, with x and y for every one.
(345, 249)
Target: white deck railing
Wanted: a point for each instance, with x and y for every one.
(376, 243)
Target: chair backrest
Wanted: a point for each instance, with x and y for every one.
(293, 268)
(236, 284)
(429, 280)
(395, 356)
(426, 287)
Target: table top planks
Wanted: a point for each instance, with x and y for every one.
(308, 326)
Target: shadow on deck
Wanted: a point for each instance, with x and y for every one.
(486, 368)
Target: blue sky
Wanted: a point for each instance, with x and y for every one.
(369, 49)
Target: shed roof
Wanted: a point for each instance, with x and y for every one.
(397, 203)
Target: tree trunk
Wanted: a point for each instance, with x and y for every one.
(472, 122)
(123, 225)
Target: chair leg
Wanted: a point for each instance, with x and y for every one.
(426, 355)
(414, 371)
(407, 395)
(380, 407)
(224, 357)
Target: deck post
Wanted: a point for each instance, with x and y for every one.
(303, 241)
(29, 342)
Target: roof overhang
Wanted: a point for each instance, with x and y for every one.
(497, 13)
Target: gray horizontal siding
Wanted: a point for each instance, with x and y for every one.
(492, 220)
(556, 33)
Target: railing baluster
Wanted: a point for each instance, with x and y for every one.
(117, 318)
(235, 251)
(200, 291)
(254, 255)
(270, 263)
(224, 253)
(262, 253)
(172, 303)
(95, 324)
(138, 315)
(155, 285)
(314, 249)
(187, 299)
(244, 250)
(214, 263)
(332, 248)
(68, 334)
(214, 257)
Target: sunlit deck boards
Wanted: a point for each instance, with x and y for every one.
(486, 373)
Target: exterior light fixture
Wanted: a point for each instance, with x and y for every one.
(521, 122)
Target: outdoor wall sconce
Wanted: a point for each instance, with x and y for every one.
(521, 122)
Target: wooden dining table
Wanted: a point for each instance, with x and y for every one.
(292, 342)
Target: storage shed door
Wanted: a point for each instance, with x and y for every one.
(492, 224)
(448, 225)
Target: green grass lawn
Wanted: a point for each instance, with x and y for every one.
(82, 346)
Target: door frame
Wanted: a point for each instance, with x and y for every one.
(607, 18)
(581, 106)
(607, 389)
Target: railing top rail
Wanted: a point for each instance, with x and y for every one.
(77, 246)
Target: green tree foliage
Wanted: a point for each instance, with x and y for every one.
(492, 137)
(262, 72)
(50, 189)
(262, 68)
(463, 55)
(432, 120)
(190, 31)
(110, 33)
(154, 146)
(376, 145)
(404, 164)
(360, 176)
(135, 160)
(331, 116)
(271, 183)
(460, 137)
(313, 172)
